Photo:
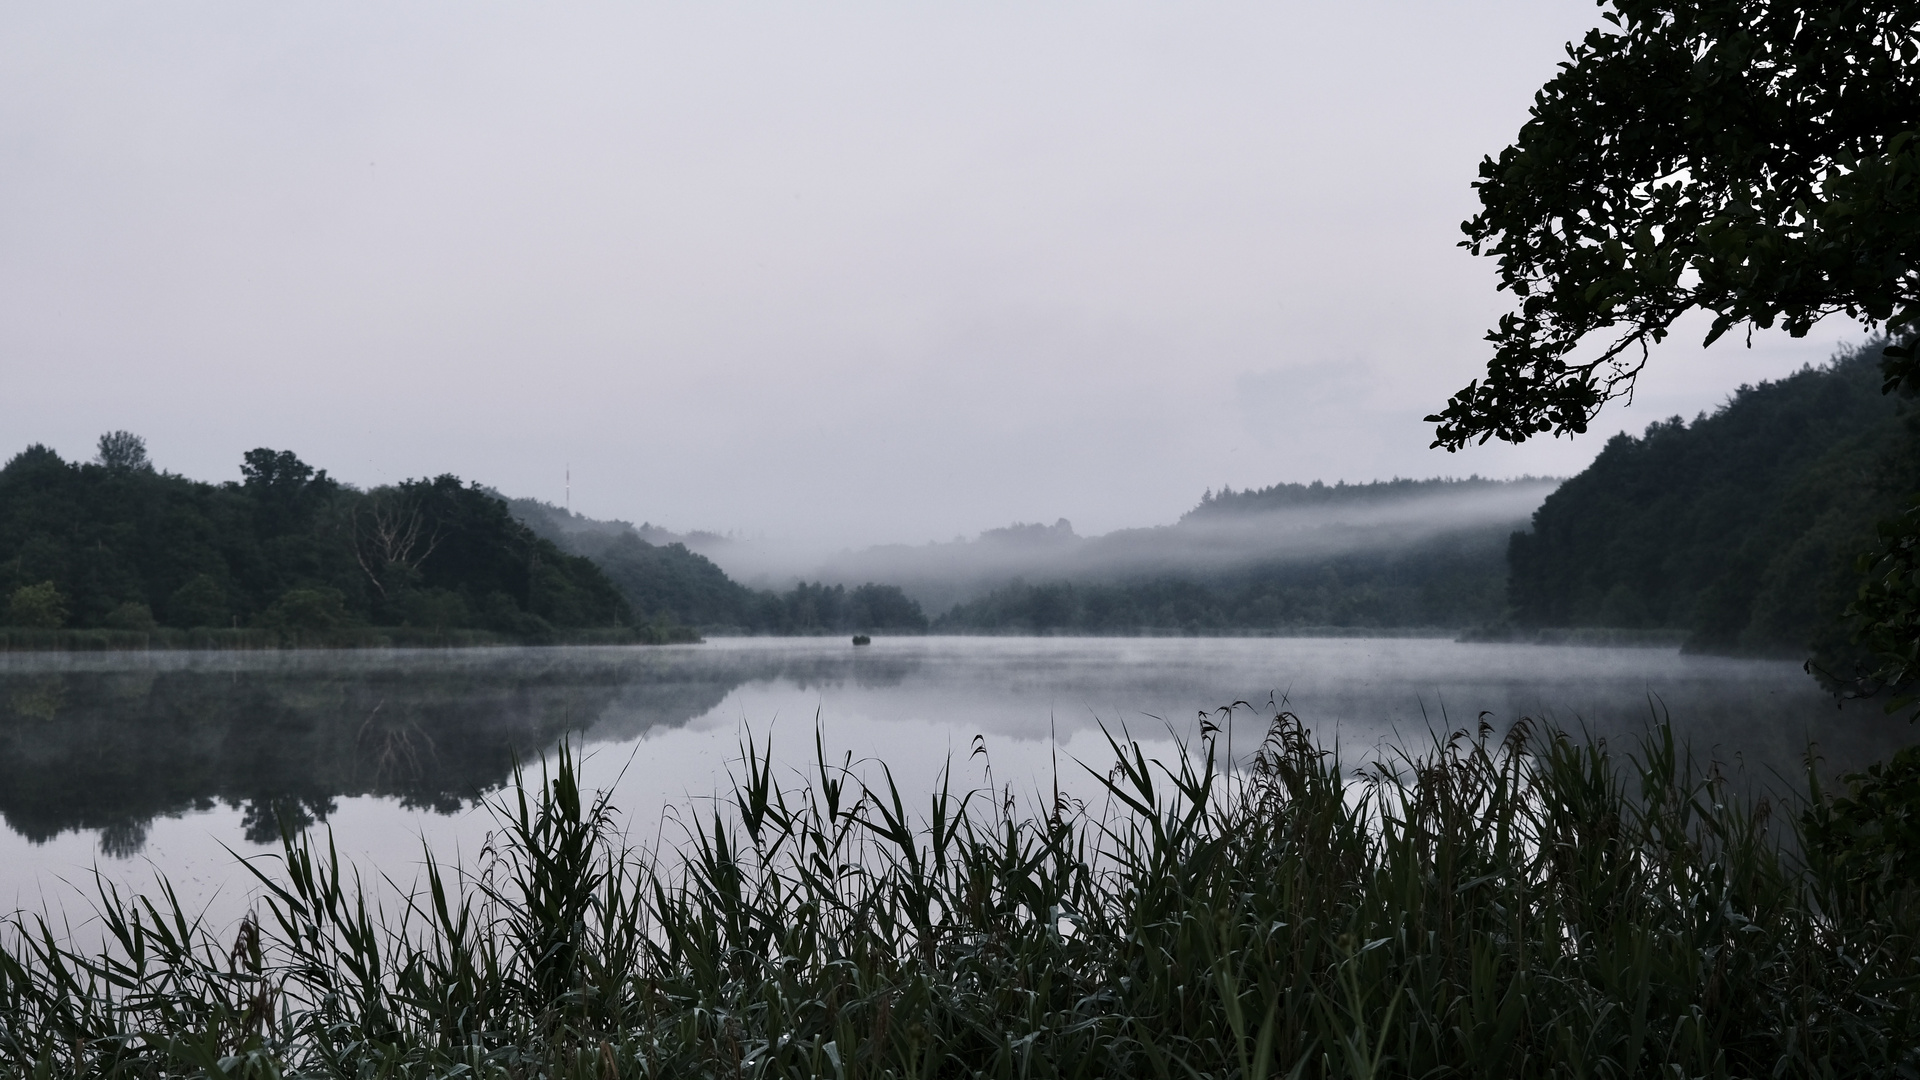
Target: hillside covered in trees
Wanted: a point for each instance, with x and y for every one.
(1285, 557)
(1740, 527)
(116, 544)
(1292, 557)
(670, 582)
(1229, 505)
(1393, 554)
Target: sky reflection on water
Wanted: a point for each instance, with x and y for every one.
(138, 763)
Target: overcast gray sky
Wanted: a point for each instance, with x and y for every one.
(840, 272)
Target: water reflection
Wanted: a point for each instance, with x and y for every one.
(110, 743)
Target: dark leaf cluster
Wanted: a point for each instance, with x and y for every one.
(1867, 840)
(1756, 159)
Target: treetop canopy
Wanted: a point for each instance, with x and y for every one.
(1758, 160)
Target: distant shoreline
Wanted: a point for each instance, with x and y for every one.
(250, 639)
(404, 637)
(1598, 636)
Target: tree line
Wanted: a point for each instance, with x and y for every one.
(116, 544)
(1452, 581)
(1228, 503)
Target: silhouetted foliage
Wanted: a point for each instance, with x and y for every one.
(1884, 617)
(1757, 159)
(122, 450)
(1869, 838)
(118, 545)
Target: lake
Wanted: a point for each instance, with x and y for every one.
(142, 763)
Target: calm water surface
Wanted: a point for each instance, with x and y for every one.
(137, 764)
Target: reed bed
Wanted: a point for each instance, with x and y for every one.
(1517, 906)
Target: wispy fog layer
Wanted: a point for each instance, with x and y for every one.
(1221, 536)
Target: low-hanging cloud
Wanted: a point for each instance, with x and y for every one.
(1220, 537)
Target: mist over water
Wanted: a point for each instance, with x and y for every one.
(140, 763)
(1199, 545)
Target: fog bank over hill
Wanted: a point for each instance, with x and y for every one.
(1227, 534)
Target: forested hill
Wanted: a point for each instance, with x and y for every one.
(117, 544)
(1739, 527)
(658, 580)
(1227, 503)
(1396, 554)
(668, 581)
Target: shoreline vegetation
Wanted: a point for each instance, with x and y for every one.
(247, 639)
(1611, 637)
(1536, 904)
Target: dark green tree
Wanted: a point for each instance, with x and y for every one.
(39, 605)
(1755, 160)
(202, 601)
(277, 471)
(123, 451)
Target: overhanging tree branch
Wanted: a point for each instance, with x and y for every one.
(1755, 160)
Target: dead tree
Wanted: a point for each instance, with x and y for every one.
(391, 531)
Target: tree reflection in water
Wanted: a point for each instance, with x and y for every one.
(111, 743)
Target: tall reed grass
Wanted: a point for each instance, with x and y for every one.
(1533, 905)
